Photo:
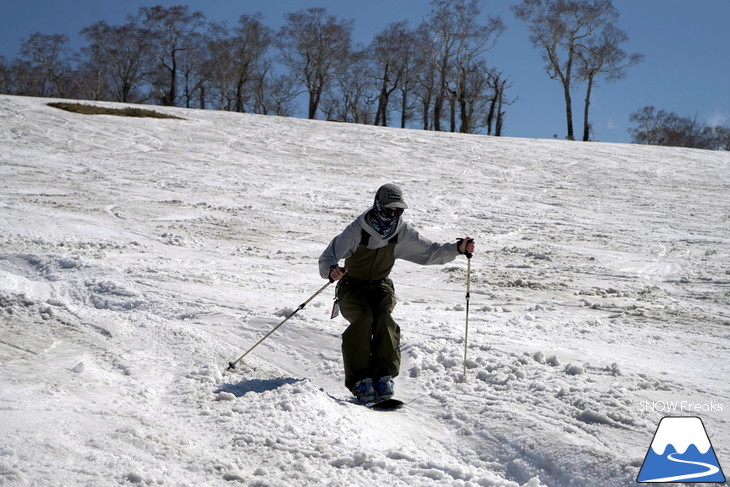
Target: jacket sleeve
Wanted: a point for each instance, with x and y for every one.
(341, 247)
(414, 248)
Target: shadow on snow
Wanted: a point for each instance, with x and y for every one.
(257, 385)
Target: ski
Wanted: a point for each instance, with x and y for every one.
(383, 405)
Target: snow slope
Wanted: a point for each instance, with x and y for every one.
(139, 256)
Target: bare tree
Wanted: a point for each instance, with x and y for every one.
(312, 45)
(6, 76)
(219, 65)
(237, 62)
(601, 55)
(116, 57)
(274, 93)
(192, 71)
(386, 52)
(425, 91)
(495, 114)
(424, 74)
(661, 127)
(172, 32)
(282, 93)
(471, 82)
(722, 135)
(95, 59)
(557, 28)
(406, 65)
(458, 39)
(350, 96)
(251, 41)
(47, 58)
(500, 95)
(20, 78)
(472, 95)
(204, 68)
(495, 81)
(443, 47)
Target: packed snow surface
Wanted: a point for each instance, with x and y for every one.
(139, 256)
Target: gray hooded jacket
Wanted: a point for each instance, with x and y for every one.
(411, 246)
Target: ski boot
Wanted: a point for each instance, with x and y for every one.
(364, 390)
(384, 387)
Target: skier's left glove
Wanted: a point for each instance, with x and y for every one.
(466, 246)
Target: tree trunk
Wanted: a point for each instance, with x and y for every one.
(452, 117)
(464, 111)
(465, 118)
(313, 103)
(172, 94)
(568, 110)
(426, 105)
(315, 96)
(126, 89)
(500, 113)
(490, 114)
(239, 96)
(586, 124)
(403, 109)
(381, 117)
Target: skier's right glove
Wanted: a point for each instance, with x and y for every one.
(336, 273)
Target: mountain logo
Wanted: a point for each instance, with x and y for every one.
(681, 452)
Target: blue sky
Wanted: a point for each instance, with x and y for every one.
(686, 44)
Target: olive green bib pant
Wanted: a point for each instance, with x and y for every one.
(366, 297)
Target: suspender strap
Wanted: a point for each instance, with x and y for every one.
(365, 238)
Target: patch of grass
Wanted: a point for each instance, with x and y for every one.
(120, 112)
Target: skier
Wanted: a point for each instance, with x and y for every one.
(366, 297)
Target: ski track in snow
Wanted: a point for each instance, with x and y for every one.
(140, 256)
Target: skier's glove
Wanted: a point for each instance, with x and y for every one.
(466, 252)
(337, 275)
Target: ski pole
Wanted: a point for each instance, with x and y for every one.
(468, 292)
(232, 365)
